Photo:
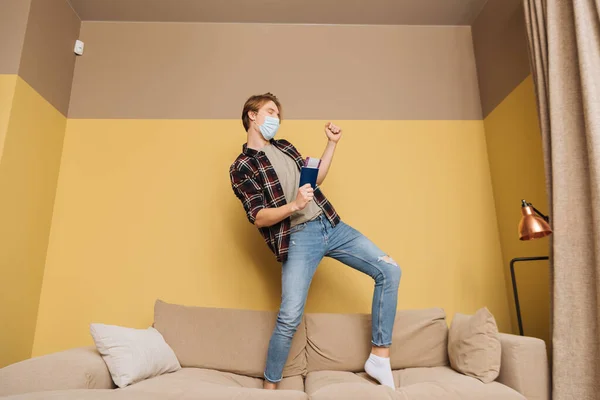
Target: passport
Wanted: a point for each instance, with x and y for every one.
(310, 172)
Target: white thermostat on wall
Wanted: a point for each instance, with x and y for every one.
(78, 47)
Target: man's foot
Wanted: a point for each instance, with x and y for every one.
(269, 385)
(379, 368)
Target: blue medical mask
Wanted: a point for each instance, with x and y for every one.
(269, 127)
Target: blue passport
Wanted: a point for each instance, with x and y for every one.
(310, 172)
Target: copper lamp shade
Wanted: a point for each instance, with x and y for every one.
(532, 226)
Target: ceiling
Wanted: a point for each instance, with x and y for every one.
(370, 12)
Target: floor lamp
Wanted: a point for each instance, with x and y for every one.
(531, 226)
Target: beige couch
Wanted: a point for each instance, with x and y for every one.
(222, 353)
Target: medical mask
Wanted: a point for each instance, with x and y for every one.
(269, 127)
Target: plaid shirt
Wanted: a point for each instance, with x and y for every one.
(256, 184)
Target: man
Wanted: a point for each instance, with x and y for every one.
(300, 226)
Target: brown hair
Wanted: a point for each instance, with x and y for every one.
(254, 103)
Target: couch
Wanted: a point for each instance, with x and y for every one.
(222, 353)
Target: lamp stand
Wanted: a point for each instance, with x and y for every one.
(514, 284)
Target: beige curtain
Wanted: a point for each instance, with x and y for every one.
(564, 45)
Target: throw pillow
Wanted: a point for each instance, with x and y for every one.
(132, 355)
(474, 346)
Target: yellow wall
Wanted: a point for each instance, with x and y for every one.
(517, 168)
(33, 137)
(144, 210)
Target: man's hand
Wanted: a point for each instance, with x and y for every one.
(271, 216)
(304, 196)
(333, 132)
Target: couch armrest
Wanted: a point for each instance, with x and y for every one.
(524, 366)
(78, 368)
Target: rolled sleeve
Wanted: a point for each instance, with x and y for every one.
(247, 189)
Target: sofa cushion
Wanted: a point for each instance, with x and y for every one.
(473, 345)
(88, 394)
(225, 339)
(445, 383)
(189, 379)
(205, 392)
(342, 342)
(335, 385)
(185, 384)
(434, 383)
(356, 391)
(207, 384)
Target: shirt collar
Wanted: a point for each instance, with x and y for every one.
(253, 153)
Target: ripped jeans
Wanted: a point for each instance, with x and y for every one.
(309, 243)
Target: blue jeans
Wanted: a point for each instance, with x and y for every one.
(309, 243)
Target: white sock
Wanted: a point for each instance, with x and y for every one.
(380, 369)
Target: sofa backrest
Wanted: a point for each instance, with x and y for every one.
(237, 341)
(225, 339)
(343, 341)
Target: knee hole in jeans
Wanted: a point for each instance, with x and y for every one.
(394, 273)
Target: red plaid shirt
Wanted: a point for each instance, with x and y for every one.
(256, 184)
